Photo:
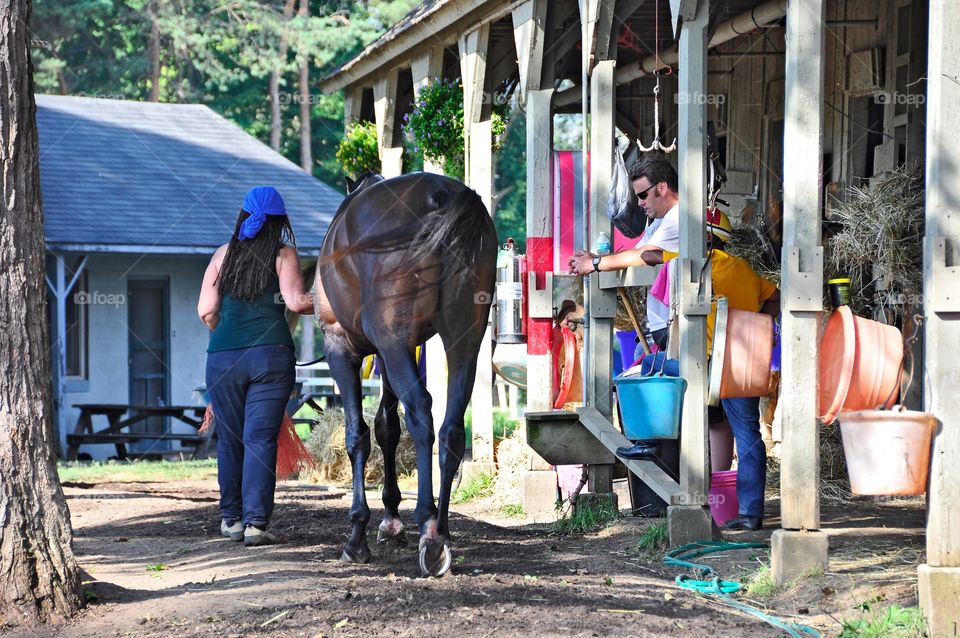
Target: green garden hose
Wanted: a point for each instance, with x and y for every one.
(712, 585)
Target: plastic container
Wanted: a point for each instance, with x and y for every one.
(887, 451)
(860, 364)
(742, 352)
(723, 496)
(650, 406)
(628, 344)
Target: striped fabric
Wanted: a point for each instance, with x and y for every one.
(568, 213)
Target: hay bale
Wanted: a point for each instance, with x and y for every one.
(511, 462)
(328, 447)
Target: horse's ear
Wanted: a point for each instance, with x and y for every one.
(351, 185)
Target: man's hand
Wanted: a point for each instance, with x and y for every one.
(581, 263)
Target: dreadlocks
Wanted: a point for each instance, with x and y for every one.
(249, 264)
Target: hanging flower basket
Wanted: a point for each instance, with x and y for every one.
(436, 123)
(357, 153)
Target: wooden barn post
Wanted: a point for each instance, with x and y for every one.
(478, 164)
(688, 518)
(538, 483)
(384, 105)
(939, 585)
(800, 547)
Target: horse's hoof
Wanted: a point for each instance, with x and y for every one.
(355, 556)
(400, 538)
(435, 557)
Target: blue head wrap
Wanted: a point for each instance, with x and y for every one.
(260, 201)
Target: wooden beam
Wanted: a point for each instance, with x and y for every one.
(802, 263)
(352, 101)
(529, 34)
(603, 42)
(940, 576)
(384, 107)
(694, 305)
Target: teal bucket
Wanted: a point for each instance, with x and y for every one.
(650, 406)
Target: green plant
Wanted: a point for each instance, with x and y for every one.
(357, 152)
(762, 584)
(513, 510)
(654, 539)
(126, 471)
(478, 486)
(893, 622)
(586, 518)
(436, 123)
(503, 424)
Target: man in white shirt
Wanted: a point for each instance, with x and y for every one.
(655, 183)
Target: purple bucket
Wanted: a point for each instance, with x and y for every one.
(628, 343)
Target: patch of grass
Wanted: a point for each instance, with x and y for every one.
(513, 510)
(478, 486)
(586, 519)
(762, 584)
(890, 622)
(654, 539)
(124, 471)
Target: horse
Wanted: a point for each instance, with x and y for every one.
(404, 259)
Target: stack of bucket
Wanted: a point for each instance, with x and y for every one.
(887, 451)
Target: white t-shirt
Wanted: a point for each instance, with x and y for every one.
(663, 233)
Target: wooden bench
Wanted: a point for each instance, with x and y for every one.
(122, 416)
(318, 383)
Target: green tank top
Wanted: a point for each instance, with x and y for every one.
(244, 324)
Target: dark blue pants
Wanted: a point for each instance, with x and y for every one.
(743, 414)
(249, 389)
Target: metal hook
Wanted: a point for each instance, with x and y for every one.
(656, 145)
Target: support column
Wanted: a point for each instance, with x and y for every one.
(352, 100)
(538, 482)
(800, 548)
(427, 68)
(478, 147)
(384, 105)
(939, 578)
(688, 518)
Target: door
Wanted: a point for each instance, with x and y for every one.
(149, 353)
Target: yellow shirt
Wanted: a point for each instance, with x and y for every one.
(734, 279)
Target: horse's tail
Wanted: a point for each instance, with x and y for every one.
(457, 230)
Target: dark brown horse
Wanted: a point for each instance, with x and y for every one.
(405, 259)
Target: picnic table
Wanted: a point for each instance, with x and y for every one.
(121, 416)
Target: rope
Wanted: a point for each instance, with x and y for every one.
(712, 585)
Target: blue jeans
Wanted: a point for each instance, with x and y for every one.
(743, 414)
(249, 389)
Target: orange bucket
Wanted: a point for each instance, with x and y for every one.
(860, 363)
(742, 351)
(887, 452)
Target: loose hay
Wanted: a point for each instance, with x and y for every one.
(328, 447)
(511, 462)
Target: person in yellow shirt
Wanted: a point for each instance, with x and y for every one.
(733, 278)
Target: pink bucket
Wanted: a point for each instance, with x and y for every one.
(723, 496)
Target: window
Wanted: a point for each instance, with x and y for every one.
(78, 304)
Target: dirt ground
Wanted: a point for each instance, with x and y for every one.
(155, 565)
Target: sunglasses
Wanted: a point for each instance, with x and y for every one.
(642, 195)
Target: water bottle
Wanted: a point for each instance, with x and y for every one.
(604, 246)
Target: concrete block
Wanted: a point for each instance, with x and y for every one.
(598, 501)
(939, 593)
(688, 524)
(797, 553)
(538, 494)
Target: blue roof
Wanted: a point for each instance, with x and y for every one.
(168, 178)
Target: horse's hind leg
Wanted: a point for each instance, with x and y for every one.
(405, 379)
(345, 367)
(387, 429)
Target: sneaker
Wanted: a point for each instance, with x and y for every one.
(254, 536)
(232, 531)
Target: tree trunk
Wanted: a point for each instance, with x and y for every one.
(306, 151)
(39, 577)
(276, 117)
(154, 53)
